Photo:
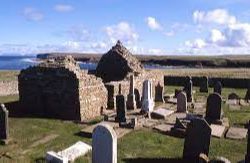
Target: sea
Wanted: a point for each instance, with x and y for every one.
(22, 62)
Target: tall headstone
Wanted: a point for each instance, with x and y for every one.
(159, 93)
(137, 98)
(204, 84)
(247, 157)
(181, 102)
(197, 138)
(218, 87)
(247, 96)
(4, 124)
(188, 88)
(147, 99)
(213, 110)
(104, 144)
(131, 104)
(120, 108)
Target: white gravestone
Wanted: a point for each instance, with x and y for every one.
(104, 144)
(53, 157)
(147, 98)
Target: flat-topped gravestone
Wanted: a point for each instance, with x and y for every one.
(197, 138)
(53, 157)
(189, 89)
(4, 123)
(218, 87)
(161, 113)
(131, 103)
(159, 93)
(213, 111)
(182, 102)
(204, 84)
(75, 151)
(104, 144)
(120, 108)
(147, 99)
(236, 133)
(217, 130)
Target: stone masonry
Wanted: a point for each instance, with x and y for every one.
(59, 89)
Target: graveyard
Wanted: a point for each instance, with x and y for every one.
(56, 112)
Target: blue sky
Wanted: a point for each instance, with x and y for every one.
(190, 27)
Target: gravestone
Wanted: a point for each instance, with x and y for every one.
(233, 96)
(181, 102)
(53, 157)
(218, 87)
(197, 138)
(147, 99)
(159, 93)
(247, 157)
(4, 123)
(176, 92)
(104, 144)
(131, 104)
(137, 98)
(213, 110)
(204, 84)
(189, 89)
(120, 109)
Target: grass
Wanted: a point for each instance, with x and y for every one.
(6, 75)
(144, 143)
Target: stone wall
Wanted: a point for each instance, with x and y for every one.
(155, 76)
(59, 89)
(8, 88)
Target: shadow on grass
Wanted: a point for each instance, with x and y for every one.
(84, 134)
(159, 160)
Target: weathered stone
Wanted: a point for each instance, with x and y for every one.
(131, 104)
(134, 122)
(53, 157)
(147, 99)
(75, 151)
(213, 111)
(189, 89)
(197, 138)
(117, 64)
(217, 130)
(104, 144)
(218, 87)
(164, 128)
(161, 113)
(232, 102)
(182, 102)
(120, 108)
(4, 123)
(233, 96)
(203, 158)
(204, 84)
(60, 89)
(236, 133)
(159, 93)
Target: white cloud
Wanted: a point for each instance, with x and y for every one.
(122, 31)
(196, 44)
(153, 24)
(78, 33)
(217, 16)
(32, 14)
(170, 33)
(216, 36)
(63, 8)
(156, 51)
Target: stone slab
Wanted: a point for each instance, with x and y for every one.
(89, 129)
(164, 128)
(75, 151)
(161, 113)
(232, 102)
(217, 130)
(121, 131)
(172, 101)
(149, 123)
(236, 133)
(52, 156)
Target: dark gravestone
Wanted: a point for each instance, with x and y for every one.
(247, 96)
(131, 104)
(197, 139)
(233, 96)
(137, 98)
(218, 87)
(159, 93)
(120, 109)
(176, 92)
(213, 110)
(247, 157)
(204, 84)
(188, 88)
(4, 126)
(111, 97)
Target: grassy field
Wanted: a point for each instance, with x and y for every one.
(142, 145)
(6, 75)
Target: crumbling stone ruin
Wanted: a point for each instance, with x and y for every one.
(117, 64)
(60, 89)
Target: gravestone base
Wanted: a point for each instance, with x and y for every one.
(178, 132)
(5, 141)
